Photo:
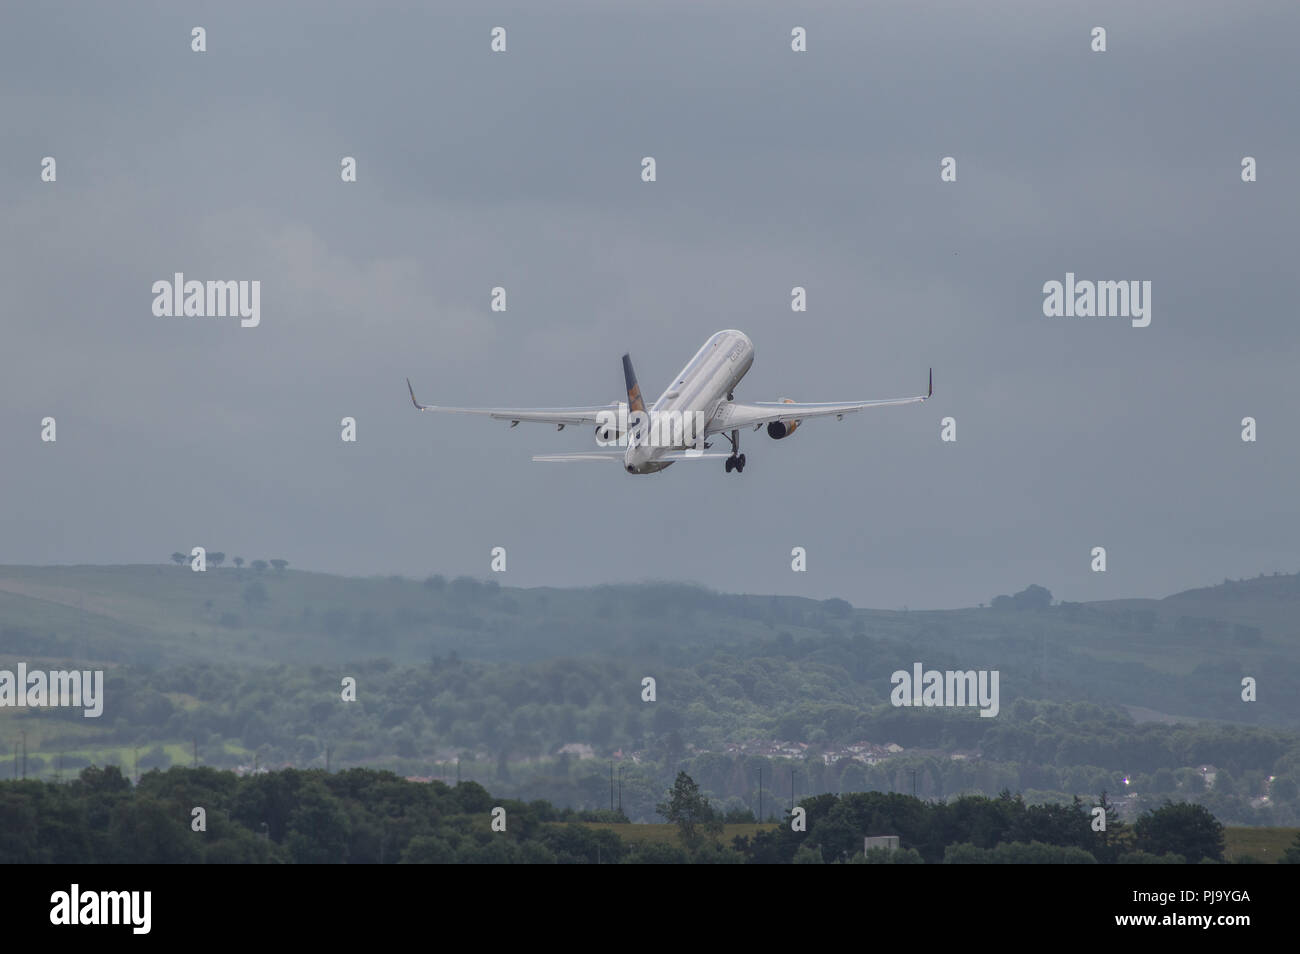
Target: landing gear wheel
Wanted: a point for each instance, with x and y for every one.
(731, 462)
(740, 464)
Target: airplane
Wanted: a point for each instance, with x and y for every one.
(703, 393)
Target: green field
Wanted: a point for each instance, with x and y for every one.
(1262, 844)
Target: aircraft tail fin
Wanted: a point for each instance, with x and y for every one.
(634, 400)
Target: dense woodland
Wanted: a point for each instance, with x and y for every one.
(365, 816)
(501, 722)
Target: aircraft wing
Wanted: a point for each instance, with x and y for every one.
(735, 415)
(539, 415)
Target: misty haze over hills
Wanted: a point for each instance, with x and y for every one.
(533, 691)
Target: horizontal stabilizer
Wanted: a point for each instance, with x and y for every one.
(616, 456)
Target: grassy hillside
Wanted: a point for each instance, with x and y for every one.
(1183, 654)
(168, 614)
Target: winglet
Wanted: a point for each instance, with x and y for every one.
(418, 405)
(930, 394)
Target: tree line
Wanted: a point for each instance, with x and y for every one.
(215, 558)
(365, 816)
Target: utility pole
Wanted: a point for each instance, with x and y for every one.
(24, 754)
(458, 770)
(760, 792)
(611, 785)
(914, 783)
(791, 790)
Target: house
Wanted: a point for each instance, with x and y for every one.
(889, 842)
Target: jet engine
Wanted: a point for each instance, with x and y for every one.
(779, 429)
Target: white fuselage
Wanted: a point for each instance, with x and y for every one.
(698, 391)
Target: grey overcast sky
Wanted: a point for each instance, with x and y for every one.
(775, 169)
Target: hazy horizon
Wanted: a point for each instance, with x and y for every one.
(497, 577)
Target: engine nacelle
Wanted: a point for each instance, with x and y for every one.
(607, 434)
(779, 429)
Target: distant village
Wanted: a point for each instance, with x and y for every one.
(869, 753)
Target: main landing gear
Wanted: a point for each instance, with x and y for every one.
(736, 461)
